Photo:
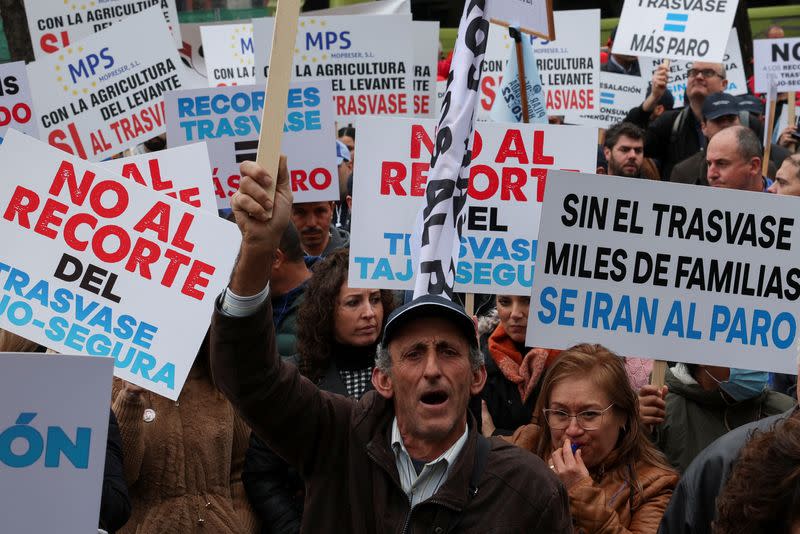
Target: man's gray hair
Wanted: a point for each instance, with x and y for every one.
(383, 360)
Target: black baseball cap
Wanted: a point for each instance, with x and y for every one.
(751, 103)
(718, 105)
(430, 306)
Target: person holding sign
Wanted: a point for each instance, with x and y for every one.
(406, 456)
(587, 427)
(676, 134)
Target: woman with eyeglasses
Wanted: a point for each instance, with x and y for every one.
(586, 426)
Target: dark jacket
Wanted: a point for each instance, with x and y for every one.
(661, 144)
(694, 169)
(286, 307)
(341, 448)
(340, 238)
(696, 417)
(275, 489)
(693, 505)
(503, 399)
(115, 503)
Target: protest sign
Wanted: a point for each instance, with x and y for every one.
(99, 265)
(366, 58)
(376, 7)
(193, 56)
(509, 168)
(667, 271)
(183, 173)
(675, 29)
(569, 66)
(57, 24)
(229, 54)
(734, 71)
(426, 44)
(509, 105)
(53, 425)
(228, 119)
(104, 94)
(618, 94)
(530, 16)
(779, 57)
(15, 100)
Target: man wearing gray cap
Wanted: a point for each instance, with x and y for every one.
(406, 457)
(720, 111)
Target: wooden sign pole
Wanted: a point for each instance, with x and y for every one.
(277, 92)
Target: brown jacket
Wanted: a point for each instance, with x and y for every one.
(603, 504)
(341, 448)
(183, 461)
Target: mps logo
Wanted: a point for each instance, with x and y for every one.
(324, 39)
(86, 66)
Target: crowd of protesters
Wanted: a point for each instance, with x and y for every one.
(316, 407)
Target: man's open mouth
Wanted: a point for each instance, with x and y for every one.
(434, 398)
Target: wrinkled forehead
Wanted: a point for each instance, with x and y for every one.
(701, 65)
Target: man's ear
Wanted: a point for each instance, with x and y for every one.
(278, 259)
(349, 200)
(382, 383)
(478, 380)
(703, 124)
(607, 153)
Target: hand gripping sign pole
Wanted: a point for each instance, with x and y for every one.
(277, 92)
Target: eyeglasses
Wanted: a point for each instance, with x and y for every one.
(707, 73)
(587, 420)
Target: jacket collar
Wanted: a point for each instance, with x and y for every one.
(373, 428)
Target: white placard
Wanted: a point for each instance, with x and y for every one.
(183, 173)
(97, 264)
(529, 15)
(668, 271)
(569, 66)
(193, 55)
(228, 119)
(57, 24)
(104, 94)
(618, 94)
(423, 82)
(54, 413)
(508, 174)
(734, 70)
(366, 58)
(229, 54)
(16, 108)
(691, 30)
(779, 57)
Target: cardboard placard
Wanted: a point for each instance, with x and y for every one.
(105, 93)
(16, 108)
(690, 30)
(667, 271)
(734, 70)
(508, 173)
(54, 413)
(779, 57)
(530, 16)
(57, 24)
(569, 66)
(229, 54)
(97, 264)
(423, 82)
(183, 173)
(366, 58)
(618, 94)
(228, 120)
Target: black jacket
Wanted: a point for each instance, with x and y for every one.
(503, 399)
(661, 143)
(693, 505)
(275, 489)
(115, 504)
